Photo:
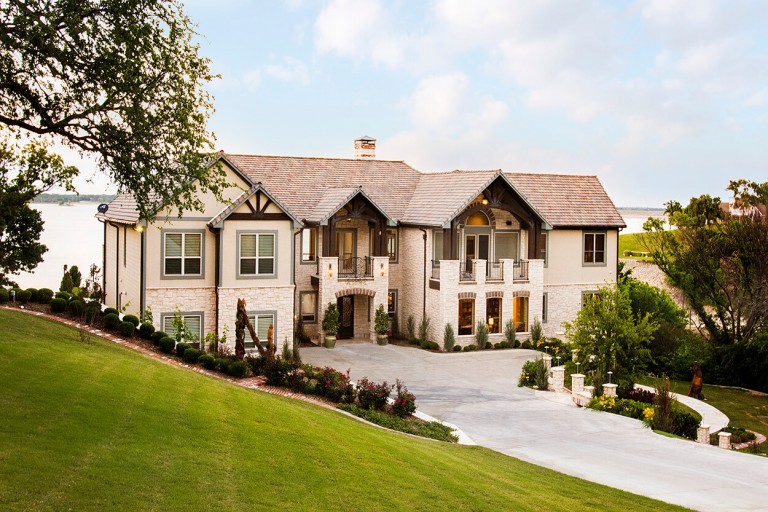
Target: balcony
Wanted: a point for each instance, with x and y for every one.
(356, 268)
(506, 271)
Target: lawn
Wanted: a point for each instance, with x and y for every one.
(631, 242)
(100, 427)
(746, 409)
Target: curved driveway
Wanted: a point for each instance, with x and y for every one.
(478, 392)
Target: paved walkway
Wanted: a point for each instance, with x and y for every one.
(716, 420)
(478, 392)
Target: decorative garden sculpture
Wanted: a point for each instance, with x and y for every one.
(241, 322)
(697, 383)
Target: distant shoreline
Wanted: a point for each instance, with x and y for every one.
(642, 212)
(73, 198)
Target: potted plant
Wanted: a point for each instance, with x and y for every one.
(381, 325)
(331, 324)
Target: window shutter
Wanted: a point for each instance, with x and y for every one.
(192, 245)
(173, 245)
(247, 246)
(262, 327)
(266, 246)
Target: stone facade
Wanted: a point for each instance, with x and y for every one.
(164, 301)
(277, 300)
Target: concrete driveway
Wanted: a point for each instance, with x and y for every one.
(478, 392)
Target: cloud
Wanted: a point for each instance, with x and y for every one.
(292, 70)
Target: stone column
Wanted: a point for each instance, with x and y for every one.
(558, 378)
(479, 268)
(702, 434)
(724, 440)
(609, 389)
(577, 382)
(590, 390)
(547, 361)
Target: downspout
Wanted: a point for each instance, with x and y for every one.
(104, 264)
(143, 275)
(217, 277)
(117, 264)
(618, 233)
(424, 286)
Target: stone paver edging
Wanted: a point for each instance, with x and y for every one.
(711, 416)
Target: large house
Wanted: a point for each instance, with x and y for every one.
(297, 233)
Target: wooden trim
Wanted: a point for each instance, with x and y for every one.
(258, 216)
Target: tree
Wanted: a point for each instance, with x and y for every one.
(121, 81)
(720, 265)
(609, 337)
(23, 175)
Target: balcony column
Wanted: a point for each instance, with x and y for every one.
(479, 268)
(508, 267)
(381, 289)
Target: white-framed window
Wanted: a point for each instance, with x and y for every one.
(257, 254)
(261, 320)
(308, 305)
(308, 245)
(437, 244)
(543, 243)
(544, 307)
(182, 254)
(392, 244)
(466, 316)
(589, 295)
(594, 249)
(193, 321)
(520, 313)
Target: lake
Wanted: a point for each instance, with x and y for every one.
(73, 237)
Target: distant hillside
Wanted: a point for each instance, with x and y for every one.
(73, 198)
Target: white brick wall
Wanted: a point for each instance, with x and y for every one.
(166, 300)
(278, 298)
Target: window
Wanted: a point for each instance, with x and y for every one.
(182, 254)
(392, 245)
(589, 295)
(520, 313)
(506, 245)
(257, 254)
(392, 303)
(261, 322)
(493, 310)
(193, 321)
(308, 305)
(437, 244)
(544, 307)
(543, 241)
(308, 244)
(594, 249)
(466, 316)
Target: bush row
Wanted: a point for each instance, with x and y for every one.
(41, 296)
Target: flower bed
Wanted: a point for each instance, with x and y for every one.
(409, 424)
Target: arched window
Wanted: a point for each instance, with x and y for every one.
(478, 219)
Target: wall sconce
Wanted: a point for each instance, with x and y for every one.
(382, 270)
(137, 228)
(484, 201)
(330, 270)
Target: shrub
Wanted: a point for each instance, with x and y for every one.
(166, 344)
(208, 361)
(526, 344)
(449, 339)
(157, 336)
(32, 294)
(537, 333)
(256, 363)
(108, 311)
(181, 348)
(222, 364)
(424, 328)
(371, 395)
(63, 295)
(410, 326)
(192, 355)
(278, 371)
(58, 305)
(92, 310)
(23, 296)
(481, 335)
(510, 334)
(497, 345)
(413, 341)
(457, 348)
(76, 307)
(639, 395)
(405, 401)
(331, 383)
(111, 321)
(381, 320)
(4, 295)
(684, 424)
(146, 331)
(236, 369)
(131, 318)
(470, 348)
(126, 329)
(331, 319)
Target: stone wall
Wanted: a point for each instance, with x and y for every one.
(166, 300)
(278, 299)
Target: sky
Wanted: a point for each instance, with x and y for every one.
(661, 99)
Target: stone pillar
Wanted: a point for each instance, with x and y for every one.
(479, 268)
(577, 382)
(724, 440)
(558, 378)
(590, 390)
(609, 389)
(702, 434)
(547, 361)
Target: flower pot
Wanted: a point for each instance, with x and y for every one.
(382, 339)
(330, 341)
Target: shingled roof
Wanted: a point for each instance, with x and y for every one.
(311, 187)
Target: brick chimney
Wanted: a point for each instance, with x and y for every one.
(365, 147)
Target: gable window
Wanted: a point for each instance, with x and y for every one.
(594, 249)
(543, 241)
(308, 305)
(182, 254)
(308, 244)
(520, 313)
(392, 245)
(466, 316)
(257, 254)
(261, 322)
(193, 322)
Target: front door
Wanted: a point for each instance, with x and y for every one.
(346, 306)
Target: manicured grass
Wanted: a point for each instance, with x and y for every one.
(100, 427)
(746, 409)
(631, 242)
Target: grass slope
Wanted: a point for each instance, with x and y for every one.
(631, 242)
(99, 427)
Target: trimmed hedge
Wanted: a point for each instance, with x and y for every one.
(157, 336)
(457, 348)
(237, 369)
(181, 348)
(222, 364)
(44, 295)
(126, 329)
(208, 361)
(58, 305)
(111, 321)
(76, 307)
(23, 296)
(111, 311)
(4, 295)
(63, 295)
(167, 344)
(192, 355)
(32, 294)
(133, 319)
(146, 331)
